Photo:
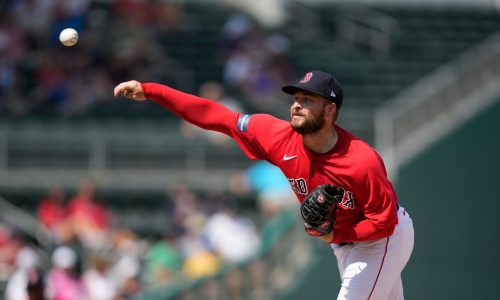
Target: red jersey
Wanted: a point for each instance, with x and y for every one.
(51, 213)
(368, 210)
(92, 212)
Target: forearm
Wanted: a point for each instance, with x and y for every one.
(201, 112)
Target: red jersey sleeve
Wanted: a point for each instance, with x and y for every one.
(379, 206)
(256, 135)
(201, 112)
(249, 131)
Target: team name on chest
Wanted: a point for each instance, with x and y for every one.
(300, 187)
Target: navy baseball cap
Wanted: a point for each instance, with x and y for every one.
(320, 83)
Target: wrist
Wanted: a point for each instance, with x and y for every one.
(332, 238)
(327, 238)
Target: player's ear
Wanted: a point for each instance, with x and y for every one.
(332, 108)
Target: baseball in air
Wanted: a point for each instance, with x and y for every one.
(68, 37)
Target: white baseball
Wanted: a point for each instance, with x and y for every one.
(68, 37)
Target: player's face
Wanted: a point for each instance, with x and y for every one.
(307, 112)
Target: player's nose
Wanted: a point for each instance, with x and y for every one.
(296, 106)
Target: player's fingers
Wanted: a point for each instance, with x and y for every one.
(124, 88)
(119, 89)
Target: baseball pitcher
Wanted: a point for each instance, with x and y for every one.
(340, 181)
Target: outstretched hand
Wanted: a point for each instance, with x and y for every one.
(130, 89)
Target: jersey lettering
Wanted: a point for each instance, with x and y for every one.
(348, 200)
(298, 185)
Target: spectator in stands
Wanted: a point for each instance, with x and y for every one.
(137, 13)
(231, 236)
(202, 263)
(181, 203)
(126, 267)
(34, 19)
(272, 187)
(200, 260)
(11, 242)
(39, 76)
(36, 285)
(51, 210)
(97, 282)
(27, 281)
(255, 61)
(52, 214)
(169, 16)
(63, 280)
(13, 48)
(90, 219)
(163, 261)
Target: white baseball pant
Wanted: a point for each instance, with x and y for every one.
(372, 270)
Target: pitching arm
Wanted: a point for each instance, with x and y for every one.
(201, 112)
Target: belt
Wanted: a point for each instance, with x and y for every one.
(344, 244)
(397, 205)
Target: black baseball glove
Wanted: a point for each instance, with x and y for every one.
(318, 209)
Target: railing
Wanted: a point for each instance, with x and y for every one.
(363, 26)
(24, 222)
(29, 226)
(142, 155)
(438, 103)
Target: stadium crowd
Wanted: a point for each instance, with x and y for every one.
(122, 39)
(87, 256)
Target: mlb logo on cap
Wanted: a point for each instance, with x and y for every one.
(320, 83)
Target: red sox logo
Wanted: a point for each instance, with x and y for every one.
(306, 77)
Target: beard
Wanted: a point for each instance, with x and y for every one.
(311, 123)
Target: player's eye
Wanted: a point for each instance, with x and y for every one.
(306, 100)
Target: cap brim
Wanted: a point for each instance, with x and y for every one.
(291, 89)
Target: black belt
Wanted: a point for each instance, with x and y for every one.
(344, 244)
(397, 205)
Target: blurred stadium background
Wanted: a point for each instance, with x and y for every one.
(154, 208)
